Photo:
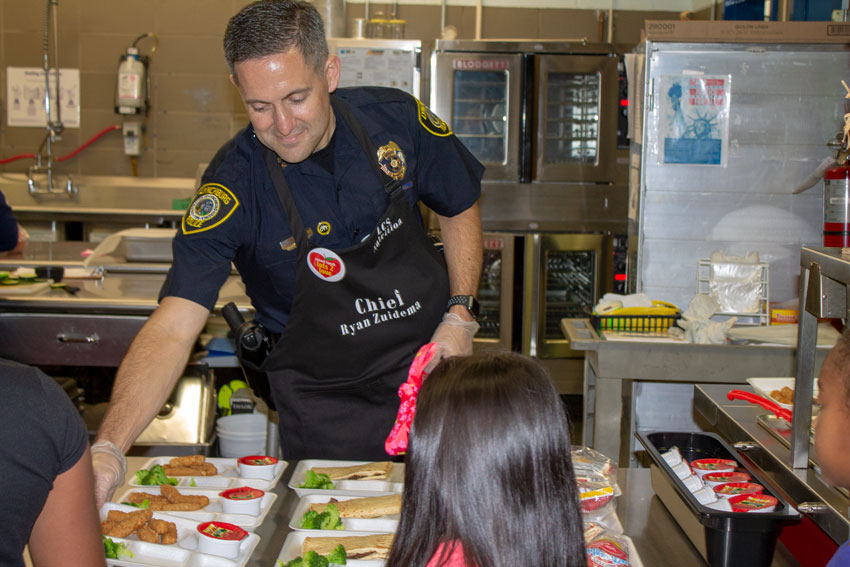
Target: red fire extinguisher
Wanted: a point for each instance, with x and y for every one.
(836, 207)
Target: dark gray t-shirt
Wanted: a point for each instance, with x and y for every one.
(41, 436)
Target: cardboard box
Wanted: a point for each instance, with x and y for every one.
(746, 31)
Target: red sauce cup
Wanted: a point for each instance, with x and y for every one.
(220, 538)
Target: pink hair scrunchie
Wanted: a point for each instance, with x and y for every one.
(396, 443)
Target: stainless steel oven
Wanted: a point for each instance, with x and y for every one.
(564, 276)
(530, 111)
(496, 293)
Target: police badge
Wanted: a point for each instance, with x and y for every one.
(392, 162)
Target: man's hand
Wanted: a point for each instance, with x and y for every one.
(109, 467)
(453, 337)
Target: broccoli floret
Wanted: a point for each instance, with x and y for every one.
(314, 480)
(154, 477)
(329, 519)
(313, 559)
(297, 562)
(310, 521)
(115, 550)
(338, 555)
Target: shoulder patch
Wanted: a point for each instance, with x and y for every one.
(431, 121)
(212, 205)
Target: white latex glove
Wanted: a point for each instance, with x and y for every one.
(453, 337)
(109, 466)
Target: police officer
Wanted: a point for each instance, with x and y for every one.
(315, 204)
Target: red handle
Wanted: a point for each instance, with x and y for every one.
(769, 405)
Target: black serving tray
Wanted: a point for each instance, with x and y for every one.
(724, 539)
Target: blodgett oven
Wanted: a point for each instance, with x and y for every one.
(530, 111)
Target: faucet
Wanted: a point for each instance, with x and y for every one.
(54, 128)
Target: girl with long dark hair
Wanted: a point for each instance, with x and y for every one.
(489, 480)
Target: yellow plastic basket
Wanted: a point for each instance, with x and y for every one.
(655, 319)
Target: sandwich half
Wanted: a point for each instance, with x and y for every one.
(371, 471)
(368, 507)
(356, 547)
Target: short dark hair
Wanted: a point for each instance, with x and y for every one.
(269, 27)
(489, 466)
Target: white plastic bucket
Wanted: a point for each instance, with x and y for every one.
(235, 447)
(242, 435)
(242, 423)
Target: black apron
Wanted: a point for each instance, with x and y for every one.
(358, 317)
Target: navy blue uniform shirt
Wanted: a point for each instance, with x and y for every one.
(236, 214)
(8, 226)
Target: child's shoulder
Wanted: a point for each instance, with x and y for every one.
(841, 557)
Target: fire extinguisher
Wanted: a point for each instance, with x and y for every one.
(131, 91)
(836, 207)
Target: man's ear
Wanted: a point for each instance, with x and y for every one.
(332, 72)
(234, 80)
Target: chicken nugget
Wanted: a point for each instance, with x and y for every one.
(187, 461)
(172, 494)
(209, 469)
(106, 526)
(132, 522)
(157, 503)
(145, 533)
(170, 536)
(116, 516)
(137, 497)
(159, 526)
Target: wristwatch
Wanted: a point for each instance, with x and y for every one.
(467, 301)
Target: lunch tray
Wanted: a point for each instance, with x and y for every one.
(184, 553)
(383, 524)
(227, 477)
(724, 539)
(393, 483)
(213, 510)
(292, 548)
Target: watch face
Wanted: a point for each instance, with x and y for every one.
(467, 301)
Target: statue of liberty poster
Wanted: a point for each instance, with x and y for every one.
(694, 119)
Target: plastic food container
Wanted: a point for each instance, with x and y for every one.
(753, 503)
(702, 467)
(220, 538)
(730, 489)
(724, 538)
(256, 466)
(243, 500)
(715, 479)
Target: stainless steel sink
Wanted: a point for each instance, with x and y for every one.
(102, 195)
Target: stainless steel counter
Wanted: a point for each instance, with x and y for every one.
(95, 326)
(612, 369)
(658, 539)
(738, 421)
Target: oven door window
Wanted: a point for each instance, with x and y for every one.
(572, 118)
(570, 287)
(479, 114)
(490, 296)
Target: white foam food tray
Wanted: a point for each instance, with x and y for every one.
(183, 553)
(764, 386)
(213, 510)
(384, 524)
(227, 477)
(393, 483)
(292, 548)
